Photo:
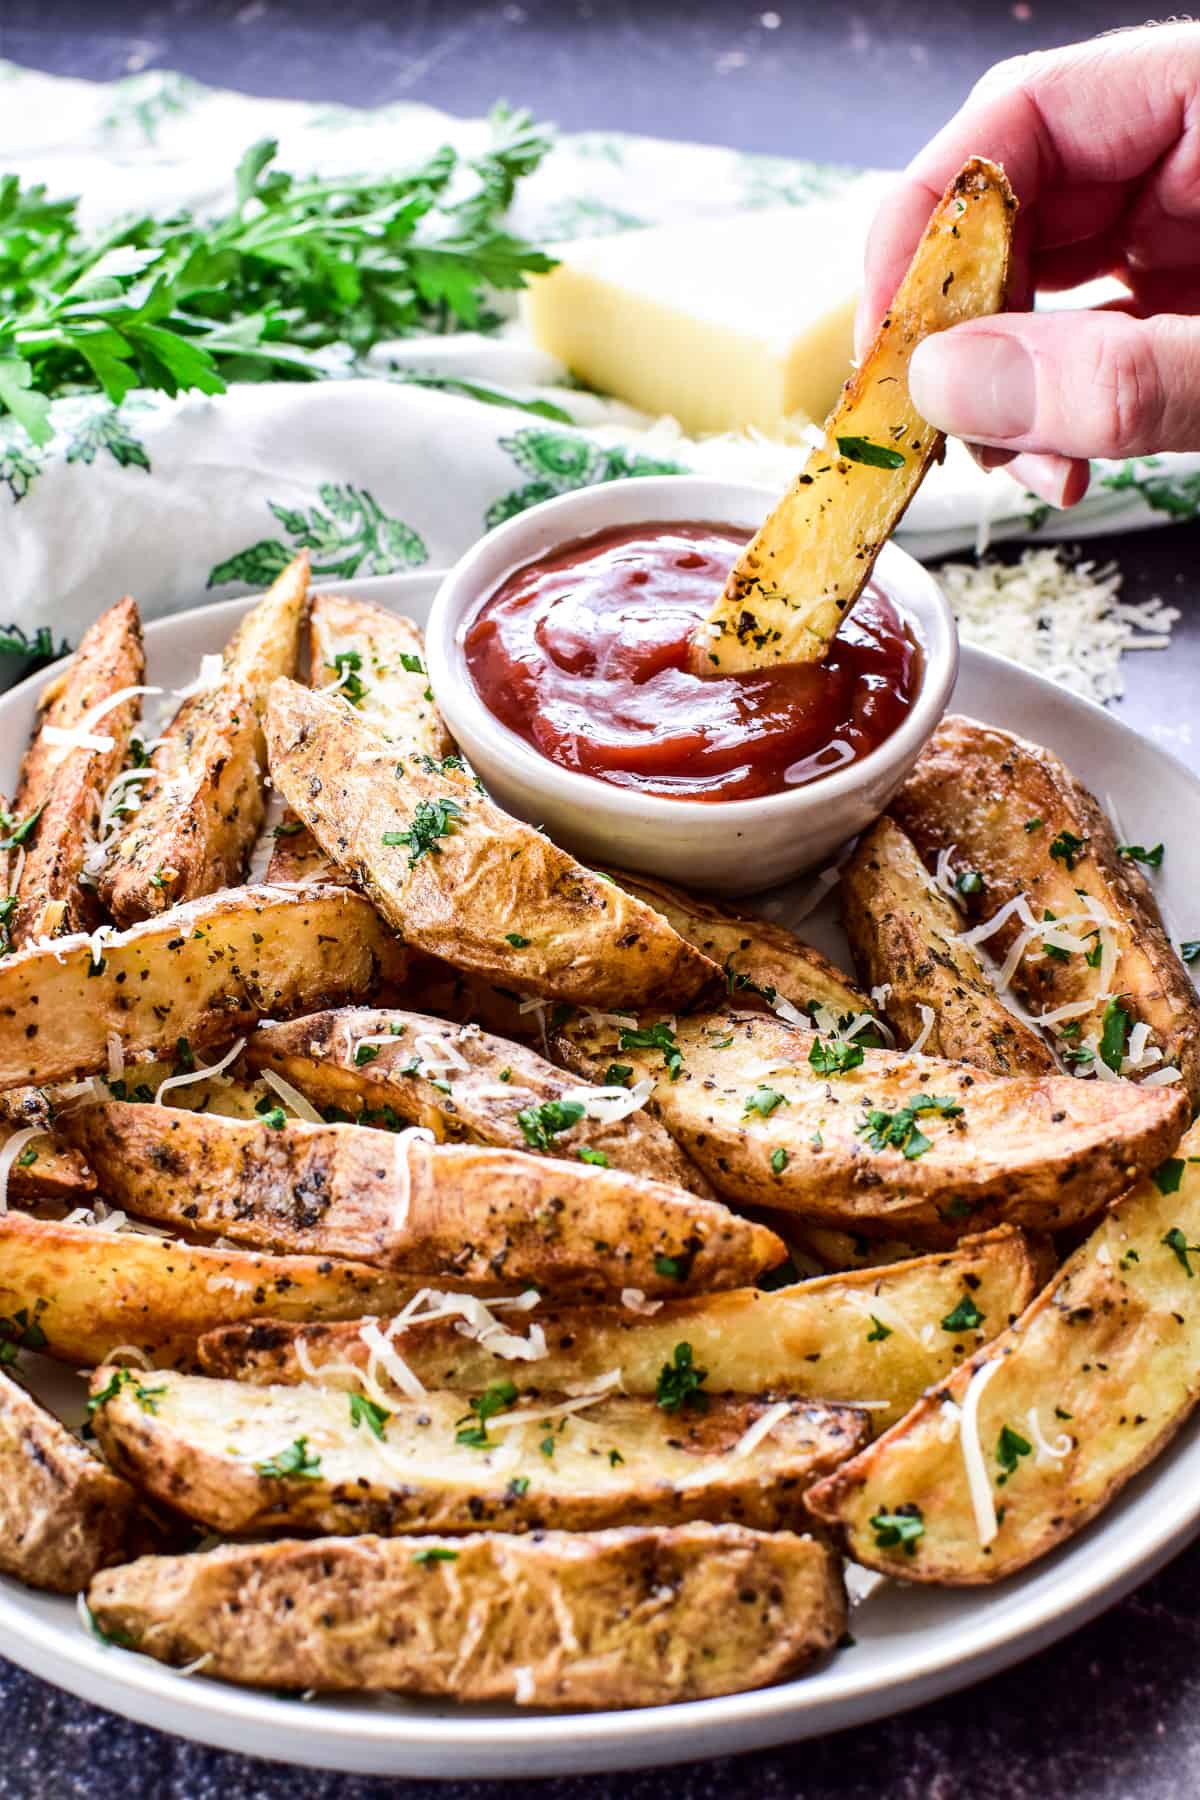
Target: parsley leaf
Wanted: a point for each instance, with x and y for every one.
(1067, 848)
(1169, 1174)
(295, 1460)
(763, 1101)
(1177, 1242)
(431, 820)
(899, 1529)
(1010, 1447)
(833, 1057)
(899, 1130)
(654, 1037)
(966, 1316)
(1113, 1035)
(435, 1553)
(366, 1412)
(472, 1427)
(878, 1331)
(680, 1382)
(1139, 854)
(597, 1157)
(540, 1124)
(875, 456)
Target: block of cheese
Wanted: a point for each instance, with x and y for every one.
(723, 323)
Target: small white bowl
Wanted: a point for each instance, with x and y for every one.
(728, 847)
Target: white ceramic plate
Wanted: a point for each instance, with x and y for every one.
(912, 1644)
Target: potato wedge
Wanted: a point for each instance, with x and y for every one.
(875, 1337)
(755, 957)
(488, 1217)
(632, 1617)
(92, 1292)
(63, 1515)
(1089, 1385)
(201, 813)
(210, 1448)
(904, 933)
(376, 660)
(1009, 810)
(65, 785)
(384, 1066)
(881, 1141)
(798, 578)
(461, 879)
(204, 972)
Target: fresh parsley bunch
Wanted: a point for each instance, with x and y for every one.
(298, 279)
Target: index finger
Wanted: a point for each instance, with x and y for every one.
(1088, 116)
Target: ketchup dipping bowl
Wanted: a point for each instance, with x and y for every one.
(724, 845)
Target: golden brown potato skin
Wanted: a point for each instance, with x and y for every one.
(755, 957)
(200, 815)
(93, 1291)
(633, 1617)
(69, 784)
(319, 1054)
(63, 1515)
(483, 880)
(1040, 1151)
(817, 1340)
(1107, 1355)
(391, 698)
(904, 933)
(492, 1218)
(206, 972)
(975, 789)
(200, 1446)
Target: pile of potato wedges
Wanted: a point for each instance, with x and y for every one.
(531, 1282)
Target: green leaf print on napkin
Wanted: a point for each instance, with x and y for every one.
(20, 462)
(143, 102)
(105, 429)
(348, 534)
(1178, 495)
(559, 461)
(783, 181)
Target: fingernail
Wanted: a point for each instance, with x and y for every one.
(974, 386)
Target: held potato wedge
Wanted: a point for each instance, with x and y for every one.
(201, 812)
(204, 972)
(875, 1337)
(381, 1066)
(461, 879)
(376, 659)
(63, 1515)
(63, 786)
(884, 1142)
(798, 578)
(483, 1216)
(1083, 925)
(91, 1292)
(212, 1450)
(1056, 1414)
(904, 933)
(755, 957)
(631, 1617)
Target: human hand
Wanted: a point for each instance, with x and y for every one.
(1101, 143)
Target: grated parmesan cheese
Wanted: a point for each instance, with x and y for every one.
(928, 1018)
(291, 1096)
(209, 676)
(762, 1427)
(218, 1068)
(609, 1105)
(9, 1153)
(978, 1483)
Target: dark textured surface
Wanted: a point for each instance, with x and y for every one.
(1113, 1713)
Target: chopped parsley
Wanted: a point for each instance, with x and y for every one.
(764, 1101)
(878, 1331)
(541, 1124)
(518, 1487)
(616, 1075)
(547, 1444)
(19, 1332)
(434, 1553)
(1067, 848)
(900, 1529)
(365, 1412)
(365, 1053)
(296, 1461)
(969, 882)
(875, 456)
(833, 1057)
(675, 1268)
(18, 829)
(1010, 1447)
(1054, 951)
(597, 1157)
(472, 1427)
(27, 1158)
(1168, 1175)
(431, 820)
(1176, 1242)
(412, 665)
(1032, 825)
(779, 1161)
(680, 1383)
(1139, 854)
(346, 665)
(614, 1457)
(1113, 1035)
(966, 1316)
(271, 1114)
(1190, 949)
(1094, 956)
(899, 1130)
(287, 828)
(146, 1397)
(654, 1037)
(516, 940)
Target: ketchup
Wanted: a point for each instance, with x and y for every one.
(584, 654)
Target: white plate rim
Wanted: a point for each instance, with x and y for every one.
(1064, 1592)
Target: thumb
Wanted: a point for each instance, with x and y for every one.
(1077, 384)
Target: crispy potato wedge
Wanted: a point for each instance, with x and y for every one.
(63, 1515)
(1043, 1151)
(92, 1292)
(376, 659)
(65, 785)
(383, 1066)
(632, 1617)
(1091, 1383)
(484, 1216)
(818, 1340)
(1012, 812)
(461, 879)
(41, 1167)
(798, 578)
(904, 933)
(203, 809)
(209, 1448)
(755, 957)
(205, 972)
